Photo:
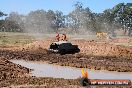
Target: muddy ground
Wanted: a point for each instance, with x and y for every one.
(10, 70)
(104, 56)
(92, 47)
(33, 82)
(16, 76)
(111, 63)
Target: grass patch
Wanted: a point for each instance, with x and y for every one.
(15, 39)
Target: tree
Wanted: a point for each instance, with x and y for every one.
(2, 22)
(51, 16)
(108, 21)
(59, 20)
(123, 15)
(2, 14)
(17, 22)
(36, 21)
(74, 18)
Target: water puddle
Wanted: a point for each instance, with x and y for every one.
(55, 71)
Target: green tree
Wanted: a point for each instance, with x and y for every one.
(59, 20)
(123, 15)
(2, 14)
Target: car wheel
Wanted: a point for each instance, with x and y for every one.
(62, 52)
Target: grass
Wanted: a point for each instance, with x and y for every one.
(15, 38)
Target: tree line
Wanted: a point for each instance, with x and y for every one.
(81, 20)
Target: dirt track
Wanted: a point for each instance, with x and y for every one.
(103, 48)
(11, 74)
(88, 47)
(104, 56)
(16, 76)
(111, 63)
(13, 77)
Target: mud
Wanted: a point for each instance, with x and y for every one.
(39, 82)
(48, 82)
(42, 69)
(104, 56)
(111, 63)
(103, 48)
(93, 55)
(92, 47)
(9, 70)
(122, 40)
(16, 76)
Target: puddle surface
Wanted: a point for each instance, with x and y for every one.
(55, 71)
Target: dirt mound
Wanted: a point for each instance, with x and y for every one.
(9, 70)
(122, 40)
(87, 47)
(102, 49)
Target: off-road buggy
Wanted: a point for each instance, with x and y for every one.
(63, 47)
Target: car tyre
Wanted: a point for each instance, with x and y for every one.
(62, 52)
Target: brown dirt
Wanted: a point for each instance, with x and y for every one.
(33, 82)
(93, 55)
(111, 63)
(103, 48)
(47, 82)
(111, 57)
(10, 70)
(122, 40)
(16, 76)
(87, 47)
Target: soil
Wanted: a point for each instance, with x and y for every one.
(41, 82)
(103, 48)
(104, 56)
(111, 63)
(88, 47)
(9, 70)
(122, 40)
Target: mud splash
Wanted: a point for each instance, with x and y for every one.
(55, 71)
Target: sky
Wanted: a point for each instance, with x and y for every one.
(66, 6)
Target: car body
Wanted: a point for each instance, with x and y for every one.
(63, 47)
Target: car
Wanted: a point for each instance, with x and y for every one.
(63, 47)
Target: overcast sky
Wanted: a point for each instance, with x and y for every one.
(25, 6)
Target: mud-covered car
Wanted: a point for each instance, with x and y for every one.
(63, 47)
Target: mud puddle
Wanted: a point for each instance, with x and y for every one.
(55, 71)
